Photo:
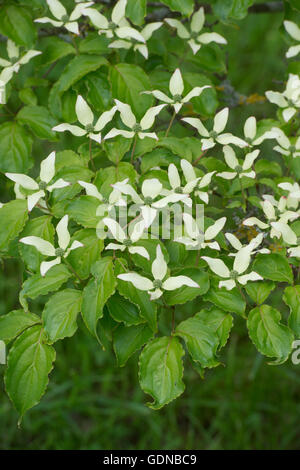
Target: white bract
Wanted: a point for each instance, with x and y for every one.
(148, 203)
(15, 60)
(161, 281)
(114, 199)
(191, 31)
(216, 135)
(286, 147)
(250, 133)
(293, 198)
(198, 240)
(86, 118)
(62, 18)
(255, 242)
(47, 249)
(289, 100)
(126, 242)
(294, 32)
(237, 169)
(241, 263)
(176, 87)
(47, 173)
(130, 121)
(118, 26)
(137, 45)
(295, 251)
(277, 220)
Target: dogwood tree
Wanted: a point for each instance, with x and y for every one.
(155, 217)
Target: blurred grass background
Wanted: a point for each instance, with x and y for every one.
(92, 404)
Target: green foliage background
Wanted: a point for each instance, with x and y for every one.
(92, 404)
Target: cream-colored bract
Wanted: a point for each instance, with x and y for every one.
(241, 263)
(86, 118)
(62, 18)
(216, 135)
(136, 128)
(191, 32)
(289, 99)
(161, 280)
(176, 88)
(46, 183)
(15, 61)
(294, 31)
(47, 249)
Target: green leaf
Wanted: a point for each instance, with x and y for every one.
(230, 301)
(291, 297)
(185, 294)
(15, 148)
(60, 314)
(38, 227)
(207, 103)
(94, 44)
(140, 298)
(161, 370)
(186, 147)
(122, 310)
(219, 321)
(184, 6)
(16, 23)
(201, 340)
(97, 292)
(27, 96)
(83, 258)
(29, 363)
(15, 322)
(272, 338)
(41, 285)
(136, 10)
(235, 9)
(116, 148)
(110, 175)
(259, 291)
(127, 82)
(53, 48)
(267, 168)
(77, 68)
(15, 214)
(128, 340)
(274, 267)
(83, 210)
(39, 120)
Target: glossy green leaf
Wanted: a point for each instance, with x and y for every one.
(14, 214)
(272, 338)
(128, 340)
(122, 310)
(97, 292)
(201, 340)
(29, 363)
(161, 370)
(291, 297)
(60, 314)
(274, 267)
(15, 322)
(39, 120)
(41, 285)
(230, 301)
(15, 148)
(127, 82)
